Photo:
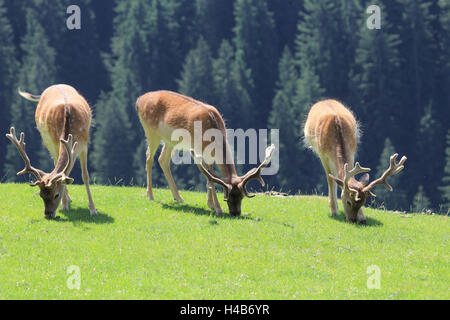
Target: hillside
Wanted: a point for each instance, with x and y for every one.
(282, 248)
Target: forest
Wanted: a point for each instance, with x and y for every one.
(261, 63)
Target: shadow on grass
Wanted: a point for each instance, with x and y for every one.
(200, 211)
(76, 215)
(370, 222)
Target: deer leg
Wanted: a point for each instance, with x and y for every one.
(66, 200)
(360, 217)
(332, 189)
(164, 161)
(85, 176)
(153, 144)
(213, 202)
(332, 194)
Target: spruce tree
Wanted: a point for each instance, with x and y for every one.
(308, 92)
(36, 73)
(112, 158)
(420, 201)
(256, 40)
(375, 95)
(430, 141)
(8, 69)
(196, 77)
(118, 125)
(78, 57)
(326, 40)
(397, 198)
(284, 117)
(418, 50)
(214, 21)
(445, 187)
(231, 96)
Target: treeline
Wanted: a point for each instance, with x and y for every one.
(262, 63)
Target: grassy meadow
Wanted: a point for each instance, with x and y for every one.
(281, 248)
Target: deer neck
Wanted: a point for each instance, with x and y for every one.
(226, 166)
(341, 159)
(63, 159)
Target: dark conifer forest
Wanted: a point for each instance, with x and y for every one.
(261, 63)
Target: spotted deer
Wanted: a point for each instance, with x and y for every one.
(163, 112)
(63, 118)
(332, 132)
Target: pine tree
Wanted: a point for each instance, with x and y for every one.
(397, 198)
(375, 95)
(418, 50)
(256, 40)
(444, 61)
(8, 68)
(308, 92)
(214, 21)
(285, 14)
(118, 125)
(430, 141)
(284, 116)
(78, 57)
(36, 73)
(326, 40)
(445, 188)
(112, 159)
(230, 82)
(420, 201)
(196, 77)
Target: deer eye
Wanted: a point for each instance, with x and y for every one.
(349, 203)
(57, 196)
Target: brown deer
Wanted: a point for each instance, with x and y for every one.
(63, 118)
(332, 132)
(163, 112)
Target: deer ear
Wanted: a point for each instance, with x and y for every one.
(365, 179)
(67, 180)
(338, 181)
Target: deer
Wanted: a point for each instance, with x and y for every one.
(332, 132)
(63, 118)
(161, 113)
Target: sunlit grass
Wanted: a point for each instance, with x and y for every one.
(281, 248)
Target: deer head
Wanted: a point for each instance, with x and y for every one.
(355, 192)
(235, 188)
(51, 185)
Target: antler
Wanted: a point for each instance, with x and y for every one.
(70, 148)
(255, 173)
(393, 169)
(209, 175)
(20, 145)
(350, 174)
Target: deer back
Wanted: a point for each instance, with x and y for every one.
(62, 111)
(165, 111)
(331, 130)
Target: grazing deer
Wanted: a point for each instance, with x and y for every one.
(63, 118)
(332, 132)
(163, 112)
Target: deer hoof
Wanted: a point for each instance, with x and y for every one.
(150, 197)
(93, 212)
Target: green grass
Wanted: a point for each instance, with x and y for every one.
(283, 248)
